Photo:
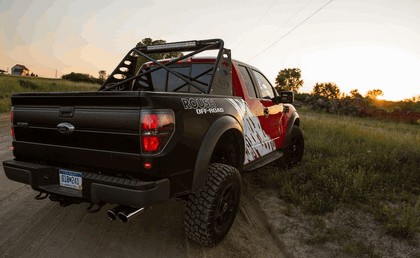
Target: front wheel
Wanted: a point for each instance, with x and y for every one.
(210, 213)
(294, 151)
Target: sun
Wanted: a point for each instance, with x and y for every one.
(365, 68)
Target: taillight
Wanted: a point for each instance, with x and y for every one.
(12, 129)
(156, 128)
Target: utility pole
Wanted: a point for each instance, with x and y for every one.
(56, 73)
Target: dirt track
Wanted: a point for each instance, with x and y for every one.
(31, 228)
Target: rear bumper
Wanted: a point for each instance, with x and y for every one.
(96, 188)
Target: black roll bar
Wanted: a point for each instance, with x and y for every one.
(124, 72)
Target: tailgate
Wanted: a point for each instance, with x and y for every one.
(86, 129)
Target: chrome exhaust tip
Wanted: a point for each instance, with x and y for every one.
(129, 212)
(113, 213)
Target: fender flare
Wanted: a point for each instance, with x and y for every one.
(290, 124)
(211, 138)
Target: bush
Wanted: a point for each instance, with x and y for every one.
(363, 107)
(81, 77)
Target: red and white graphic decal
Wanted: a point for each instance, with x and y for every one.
(257, 142)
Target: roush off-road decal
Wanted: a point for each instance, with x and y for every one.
(201, 105)
(257, 142)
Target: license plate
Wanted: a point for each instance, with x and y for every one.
(70, 179)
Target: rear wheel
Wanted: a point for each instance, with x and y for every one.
(294, 151)
(210, 213)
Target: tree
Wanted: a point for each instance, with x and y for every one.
(289, 79)
(373, 94)
(415, 98)
(102, 76)
(328, 90)
(354, 94)
(148, 42)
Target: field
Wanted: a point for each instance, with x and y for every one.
(14, 84)
(358, 162)
(358, 165)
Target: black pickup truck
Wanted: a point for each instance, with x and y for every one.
(185, 128)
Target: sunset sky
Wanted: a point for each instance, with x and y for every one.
(355, 43)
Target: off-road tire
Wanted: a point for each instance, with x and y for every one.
(210, 213)
(293, 153)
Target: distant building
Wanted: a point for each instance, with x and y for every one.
(20, 70)
(2, 71)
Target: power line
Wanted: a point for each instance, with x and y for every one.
(290, 31)
(290, 18)
(255, 24)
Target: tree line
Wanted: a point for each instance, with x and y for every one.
(327, 96)
(289, 79)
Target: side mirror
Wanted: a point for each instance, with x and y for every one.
(285, 97)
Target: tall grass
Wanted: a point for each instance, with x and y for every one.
(15, 84)
(356, 162)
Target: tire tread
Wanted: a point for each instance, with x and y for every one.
(199, 207)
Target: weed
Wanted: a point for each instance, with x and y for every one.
(28, 84)
(401, 221)
(288, 211)
(318, 222)
(361, 249)
(322, 234)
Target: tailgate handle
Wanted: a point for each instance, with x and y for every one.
(66, 112)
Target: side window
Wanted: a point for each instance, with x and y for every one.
(248, 82)
(265, 87)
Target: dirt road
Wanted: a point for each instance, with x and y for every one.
(31, 228)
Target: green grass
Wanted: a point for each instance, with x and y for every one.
(16, 84)
(401, 221)
(356, 162)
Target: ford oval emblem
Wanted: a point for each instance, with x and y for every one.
(65, 128)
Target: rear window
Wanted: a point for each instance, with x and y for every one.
(162, 81)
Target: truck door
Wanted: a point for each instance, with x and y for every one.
(259, 139)
(270, 117)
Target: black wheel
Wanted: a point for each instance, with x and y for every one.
(210, 213)
(294, 151)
